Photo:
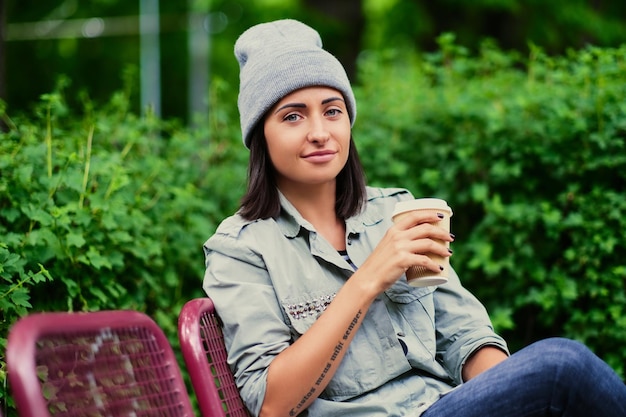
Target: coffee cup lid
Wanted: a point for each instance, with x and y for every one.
(421, 204)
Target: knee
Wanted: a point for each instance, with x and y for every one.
(567, 357)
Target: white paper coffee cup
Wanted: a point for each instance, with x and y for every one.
(420, 276)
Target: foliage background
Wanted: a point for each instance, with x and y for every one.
(103, 205)
(98, 64)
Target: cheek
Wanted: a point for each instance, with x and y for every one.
(343, 131)
(345, 136)
(280, 154)
(273, 141)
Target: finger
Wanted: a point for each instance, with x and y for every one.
(429, 246)
(428, 231)
(413, 218)
(426, 262)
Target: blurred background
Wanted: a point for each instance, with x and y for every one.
(120, 148)
(168, 52)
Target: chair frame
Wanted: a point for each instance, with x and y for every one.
(26, 332)
(204, 352)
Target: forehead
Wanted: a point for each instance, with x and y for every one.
(314, 93)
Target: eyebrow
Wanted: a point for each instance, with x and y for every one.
(302, 105)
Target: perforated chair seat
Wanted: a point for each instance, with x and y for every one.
(108, 363)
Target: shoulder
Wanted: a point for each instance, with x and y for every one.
(396, 194)
(233, 225)
(379, 206)
(385, 199)
(237, 227)
(238, 235)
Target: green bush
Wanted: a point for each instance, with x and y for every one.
(531, 155)
(101, 208)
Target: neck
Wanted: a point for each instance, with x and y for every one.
(317, 206)
(313, 202)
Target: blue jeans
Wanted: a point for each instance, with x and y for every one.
(552, 377)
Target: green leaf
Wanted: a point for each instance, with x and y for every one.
(75, 239)
(20, 297)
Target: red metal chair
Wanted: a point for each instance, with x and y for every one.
(202, 344)
(107, 363)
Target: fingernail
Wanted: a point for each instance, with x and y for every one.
(452, 235)
(450, 250)
(440, 215)
(440, 267)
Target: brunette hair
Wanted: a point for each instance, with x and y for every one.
(261, 199)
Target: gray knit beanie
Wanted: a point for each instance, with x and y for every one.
(277, 58)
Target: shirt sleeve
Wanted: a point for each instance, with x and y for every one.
(462, 326)
(254, 327)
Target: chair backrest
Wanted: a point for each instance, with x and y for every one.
(202, 345)
(107, 363)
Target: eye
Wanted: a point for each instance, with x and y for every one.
(333, 112)
(291, 117)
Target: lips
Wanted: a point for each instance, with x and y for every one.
(320, 156)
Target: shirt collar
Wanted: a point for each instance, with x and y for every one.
(291, 222)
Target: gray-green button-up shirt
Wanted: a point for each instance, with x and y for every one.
(271, 279)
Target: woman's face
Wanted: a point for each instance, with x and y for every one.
(308, 137)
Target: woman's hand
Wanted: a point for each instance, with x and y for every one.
(406, 243)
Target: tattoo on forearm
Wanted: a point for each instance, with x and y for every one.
(329, 364)
(353, 323)
(304, 399)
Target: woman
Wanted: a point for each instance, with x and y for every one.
(309, 275)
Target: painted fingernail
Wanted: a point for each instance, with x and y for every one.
(452, 235)
(440, 267)
(450, 250)
(440, 215)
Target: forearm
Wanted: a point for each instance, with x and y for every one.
(299, 374)
(483, 359)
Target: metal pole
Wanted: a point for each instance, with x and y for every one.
(150, 56)
(2, 52)
(198, 46)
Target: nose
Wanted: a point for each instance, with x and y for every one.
(318, 131)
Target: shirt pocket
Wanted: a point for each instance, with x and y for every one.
(304, 310)
(416, 307)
